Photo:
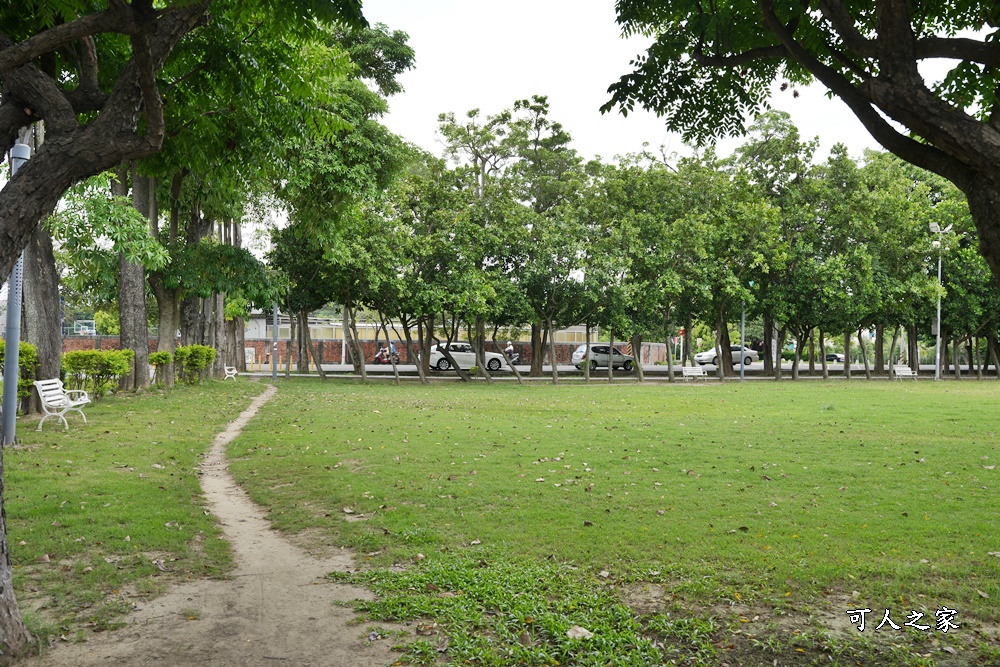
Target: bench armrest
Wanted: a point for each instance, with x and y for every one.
(84, 396)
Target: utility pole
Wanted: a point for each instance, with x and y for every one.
(274, 346)
(19, 154)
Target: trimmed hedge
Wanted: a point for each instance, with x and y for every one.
(160, 361)
(191, 360)
(27, 362)
(96, 371)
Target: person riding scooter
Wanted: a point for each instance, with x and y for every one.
(512, 356)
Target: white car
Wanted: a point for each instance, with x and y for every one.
(599, 356)
(464, 356)
(740, 353)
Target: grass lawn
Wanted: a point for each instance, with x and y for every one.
(716, 503)
(91, 510)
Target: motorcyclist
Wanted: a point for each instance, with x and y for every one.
(512, 356)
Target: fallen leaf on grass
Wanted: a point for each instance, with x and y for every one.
(476, 542)
(419, 557)
(427, 629)
(576, 632)
(604, 574)
(982, 594)
(348, 510)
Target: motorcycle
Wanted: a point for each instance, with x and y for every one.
(383, 357)
(513, 358)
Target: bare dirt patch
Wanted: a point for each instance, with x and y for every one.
(275, 609)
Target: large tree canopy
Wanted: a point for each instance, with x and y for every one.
(90, 70)
(712, 65)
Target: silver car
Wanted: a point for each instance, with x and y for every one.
(599, 356)
(740, 353)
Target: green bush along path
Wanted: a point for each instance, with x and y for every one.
(777, 493)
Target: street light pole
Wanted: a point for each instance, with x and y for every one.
(19, 154)
(936, 229)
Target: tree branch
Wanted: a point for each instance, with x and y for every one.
(922, 155)
(739, 59)
(959, 49)
(118, 19)
(843, 23)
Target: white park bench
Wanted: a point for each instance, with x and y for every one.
(231, 373)
(902, 372)
(56, 401)
(688, 372)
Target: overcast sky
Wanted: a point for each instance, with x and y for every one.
(486, 55)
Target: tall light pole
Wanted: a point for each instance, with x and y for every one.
(19, 154)
(936, 229)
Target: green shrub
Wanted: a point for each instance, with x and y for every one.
(160, 361)
(191, 360)
(27, 362)
(97, 371)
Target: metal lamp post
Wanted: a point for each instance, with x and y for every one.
(19, 154)
(936, 229)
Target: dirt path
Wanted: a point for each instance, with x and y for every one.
(276, 609)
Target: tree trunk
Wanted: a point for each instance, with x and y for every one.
(847, 355)
(799, 342)
(812, 352)
(993, 352)
(913, 348)
(956, 350)
(586, 356)
(41, 316)
(782, 333)
(289, 346)
(879, 349)
(312, 351)
(892, 352)
(636, 343)
(611, 353)
(864, 355)
(822, 353)
(669, 335)
(411, 357)
(552, 350)
(357, 356)
(688, 339)
(479, 347)
(979, 359)
(768, 344)
(132, 295)
(219, 334)
(968, 354)
(14, 636)
(537, 352)
(301, 356)
(723, 345)
(169, 306)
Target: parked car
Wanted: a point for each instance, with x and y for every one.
(740, 353)
(835, 356)
(600, 355)
(464, 356)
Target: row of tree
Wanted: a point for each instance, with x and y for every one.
(512, 230)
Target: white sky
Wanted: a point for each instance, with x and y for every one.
(486, 55)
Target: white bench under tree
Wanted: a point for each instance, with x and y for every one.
(231, 373)
(688, 372)
(902, 372)
(57, 401)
